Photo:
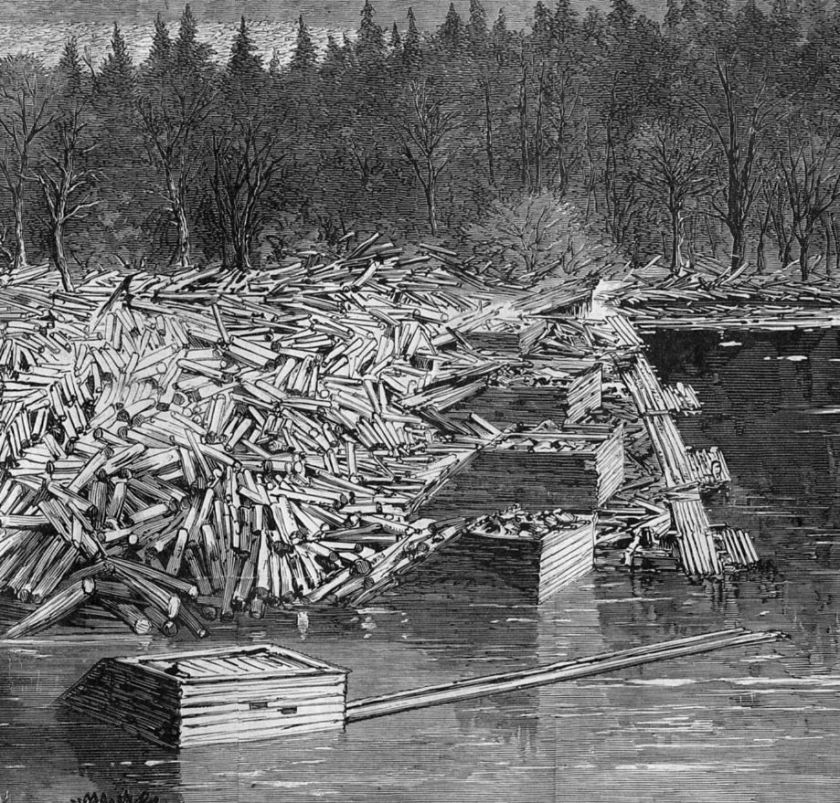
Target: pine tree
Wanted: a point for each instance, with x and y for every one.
(334, 57)
(621, 16)
(396, 39)
(541, 28)
(70, 67)
(785, 22)
(477, 26)
(690, 11)
(411, 48)
(190, 54)
(117, 77)
(305, 56)
(672, 15)
(370, 41)
(716, 10)
(565, 21)
(244, 63)
(348, 50)
(161, 46)
(752, 16)
(593, 26)
(451, 33)
(500, 29)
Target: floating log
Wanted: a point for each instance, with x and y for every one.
(471, 688)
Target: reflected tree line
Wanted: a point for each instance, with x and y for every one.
(713, 131)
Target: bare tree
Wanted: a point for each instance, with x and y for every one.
(67, 183)
(367, 157)
(173, 110)
(426, 138)
(672, 166)
(24, 115)
(621, 193)
(244, 165)
(775, 203)
(564, 117)
(737, 127)
(809, 166)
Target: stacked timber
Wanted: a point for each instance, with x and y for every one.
(187, 446)
(563, 391)
(212, 696)
(576, 468)
(537, 552)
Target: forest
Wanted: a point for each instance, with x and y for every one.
(713, 132)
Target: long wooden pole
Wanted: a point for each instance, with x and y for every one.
(458, 690)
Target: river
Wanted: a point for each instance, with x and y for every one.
(754, 724)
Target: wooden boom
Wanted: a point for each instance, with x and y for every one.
(458, 690)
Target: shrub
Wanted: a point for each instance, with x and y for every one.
(520, 244)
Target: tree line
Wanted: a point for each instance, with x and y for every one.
(715, 131)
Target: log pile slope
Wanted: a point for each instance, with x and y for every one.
(200, 443)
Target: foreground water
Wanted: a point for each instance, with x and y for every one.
(753, 724)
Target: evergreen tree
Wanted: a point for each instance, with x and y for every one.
(500, 39)
(593, 26)
(370, 41)
(565, 21)
(161, 46)
(500, 29)
(396, 39)
(451, 32)
(116, 78)
(304, 57)
(244, 64)
(348, 50)
(542, 27)
(70, 67)
(190, 54)
(621, 17)
(411, 48)
(673, 15)
(334, 57)
(690, 11)
(477, 26)
(716, 10)
(784, 23)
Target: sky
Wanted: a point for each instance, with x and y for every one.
(340, 14)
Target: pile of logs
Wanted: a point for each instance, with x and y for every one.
(183, 447)
(711, 296)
